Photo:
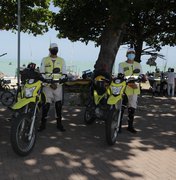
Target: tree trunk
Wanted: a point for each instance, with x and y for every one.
(110, 43)
(138, 49)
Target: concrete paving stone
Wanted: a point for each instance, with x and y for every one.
(81, 153)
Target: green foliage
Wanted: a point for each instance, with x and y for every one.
(35, 15)
(80, 20)
(86, 20)
(152, 21)
(101, 21)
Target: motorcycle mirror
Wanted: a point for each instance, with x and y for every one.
(136, 71)
(56, 70)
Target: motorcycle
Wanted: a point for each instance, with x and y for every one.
(106, 104)
(97, 106)
(27, 107)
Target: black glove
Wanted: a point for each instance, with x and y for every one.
(49, 81)
(120, 76)
(53, 86)
(65, 79)
(142, 78)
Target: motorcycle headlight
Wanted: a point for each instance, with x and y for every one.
(116, 90)
(29, 92)
(31, 81)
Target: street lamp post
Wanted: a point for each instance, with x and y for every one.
(19, 29)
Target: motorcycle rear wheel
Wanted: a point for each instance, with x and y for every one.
(7, 98)
(112, 127)
(89, 114)
(20, 141)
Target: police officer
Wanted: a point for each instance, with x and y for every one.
(53, 92)
(133, 89)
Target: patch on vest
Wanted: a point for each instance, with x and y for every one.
(48, 65)
(126, 69)
(58, 63)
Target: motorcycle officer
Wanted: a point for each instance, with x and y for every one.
(53, 92)
(132, 90)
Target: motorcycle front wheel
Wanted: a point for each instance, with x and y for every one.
(112, 126)
(89, 114)
(21, 142)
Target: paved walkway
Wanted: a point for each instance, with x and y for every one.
(81, 153)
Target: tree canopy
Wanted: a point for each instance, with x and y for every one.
(35, 15)
(154, 24)
(85, 20)
(111, 23)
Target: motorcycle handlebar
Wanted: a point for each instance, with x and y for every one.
(132, 79)
(106, 80)
(138, 79)
(51, 81)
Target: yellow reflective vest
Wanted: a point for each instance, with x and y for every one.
(128, 71)
(49, 65)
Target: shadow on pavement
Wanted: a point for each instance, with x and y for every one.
(82, 153)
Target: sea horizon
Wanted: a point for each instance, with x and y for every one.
(9, 67)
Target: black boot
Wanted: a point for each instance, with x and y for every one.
(130, 127)
(131, 112)
(42, 125)
(58, 107)
(124, 105)
(45, 109)
(60, 127)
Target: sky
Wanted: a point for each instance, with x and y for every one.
(77, 55)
